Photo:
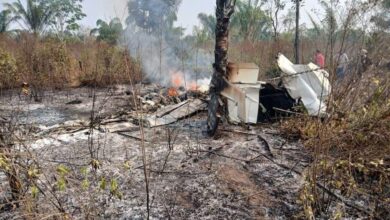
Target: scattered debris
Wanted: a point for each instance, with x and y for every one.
(253, 101)
(307, 83)
(243, 92)
(120, 127)
(74, 102)
(171, 114)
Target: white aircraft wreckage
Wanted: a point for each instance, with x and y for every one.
(252, 101)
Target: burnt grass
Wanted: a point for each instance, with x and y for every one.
(244, 172)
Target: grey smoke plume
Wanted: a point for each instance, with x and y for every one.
(164, 52)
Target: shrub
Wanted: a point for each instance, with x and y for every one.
(7, 70)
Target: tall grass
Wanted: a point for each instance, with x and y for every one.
(49, 63)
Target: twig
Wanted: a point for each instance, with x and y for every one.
(222, 155)
(287, 111)
(344, 200)
(129, 136)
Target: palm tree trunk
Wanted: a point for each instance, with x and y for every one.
(225, 9)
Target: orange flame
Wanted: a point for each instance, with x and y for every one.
(177, 79)
(172, 92)
(193, 86)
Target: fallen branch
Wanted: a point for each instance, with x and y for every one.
(223, 155)
(344, 200)
(130, 136)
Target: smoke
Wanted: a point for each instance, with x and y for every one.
(162, 49)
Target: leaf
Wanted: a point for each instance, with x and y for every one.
(85, 184)
(95, 164)
(102, 183)
(61, 184)
(127, 165)
(3, 162)
(33, 173)
(375, 81)
(113, 186)
(84, 171)
(34, 191)
(62, 170)
(114, 189)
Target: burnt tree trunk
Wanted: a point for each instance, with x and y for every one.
(296, 43)
(225, 9)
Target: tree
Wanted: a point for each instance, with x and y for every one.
(225, 9)
(36, 16)
(5, 20)
(274, 8)
(39, 15)
(250, 20)
(109, 32)
(153, 15)
(382, 19)
(288, 21)
(66, 14)
(296, 42)
(208, 24)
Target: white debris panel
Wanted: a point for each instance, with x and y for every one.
(308, 83)
(171, 114)
(243, 93)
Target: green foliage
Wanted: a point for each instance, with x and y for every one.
(251, 21)
(103, 183)
(34, 191)
(108, 32)
(153, 15)
(382, 18)
(66, 14)
(127, 165)
(209, 23)
(39, 15)
(4, 163)
(62, 171)
(5, 20)
(8, 70)
(33, 172)
(114, 189)
(85, 184)
(36, 16)
(61, 184)
(330, 22)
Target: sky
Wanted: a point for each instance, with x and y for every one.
(187, 14)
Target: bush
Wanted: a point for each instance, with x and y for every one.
(51, 66)
(49, 63)
(111, 65)
(350, 157)
(7, 70)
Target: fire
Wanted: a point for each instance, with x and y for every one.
(193, 86)
(172, 92)
(177, 79)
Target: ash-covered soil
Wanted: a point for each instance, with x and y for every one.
(246, 172)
